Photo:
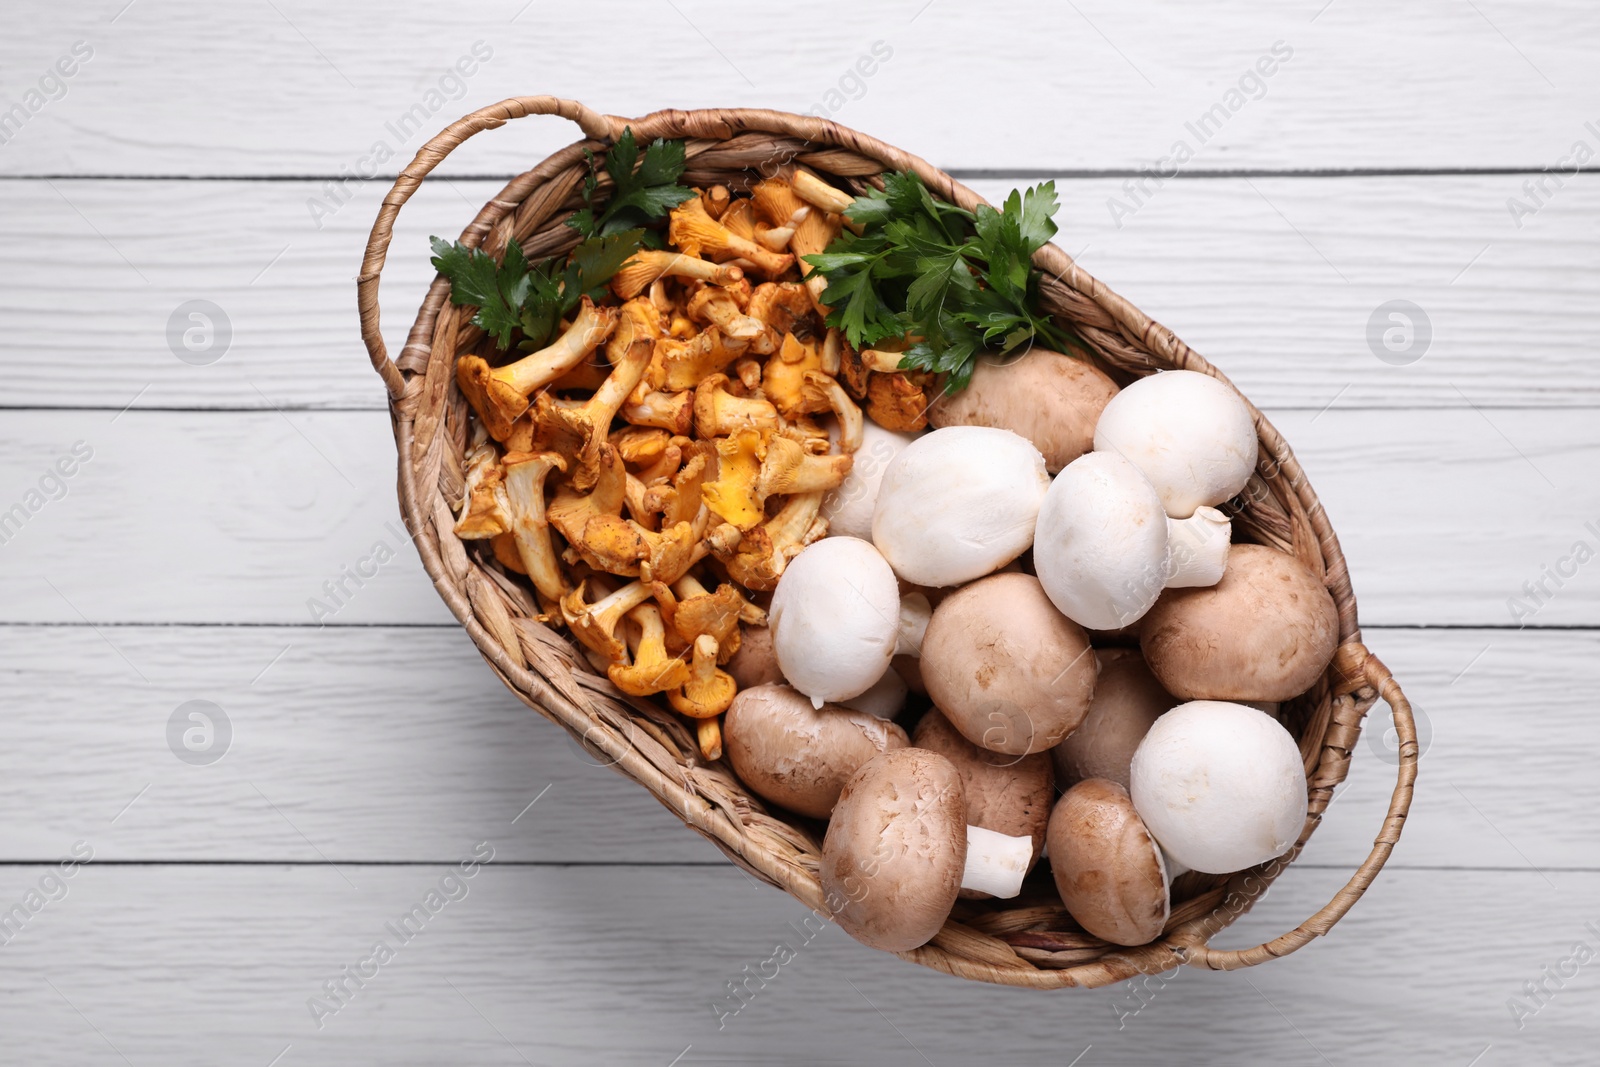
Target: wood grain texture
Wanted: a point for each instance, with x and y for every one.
(245, 516)
(176, 90)
(378, 744)
(206, 965)
(1274, 280)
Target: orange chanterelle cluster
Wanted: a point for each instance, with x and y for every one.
(695, 454)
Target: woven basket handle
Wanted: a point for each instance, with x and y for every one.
(1377, 676)
(594, 125)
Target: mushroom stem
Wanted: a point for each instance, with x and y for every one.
(500, 394)
(524, 486)
(813, 190)
(646, 266)
(1197, 549)
(996, 863)
(915, 611)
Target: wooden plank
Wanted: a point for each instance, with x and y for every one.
(605, 965)
(379, 744)
(1276, 281)
(1431, 84)
(244, 516)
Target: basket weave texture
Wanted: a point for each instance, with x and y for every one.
(1030, 941)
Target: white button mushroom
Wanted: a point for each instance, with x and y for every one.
(1266, 632)
(1189, 433)
(849, 507)
(1220, 785)
(798, 756)
(898, 850)
(885, 699)
(959, 503)
(1104, 547)
(835, 619)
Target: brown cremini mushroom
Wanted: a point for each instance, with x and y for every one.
(797, 756)
(1051, 399)
(1127, 701)
(1107, 867)
(898, 850)
(1011, 795)
(1011, 672)
(755, 663)
(1266, 631)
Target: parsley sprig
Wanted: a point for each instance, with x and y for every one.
(960, 281)
(644, 189)
(514, 296)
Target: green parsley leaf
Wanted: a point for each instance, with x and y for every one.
(643, 189)
(963, 281)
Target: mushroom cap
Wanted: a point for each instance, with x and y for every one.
(886, 698)
(895, 850)
(1010, 672)
(849, 508)
(755, 663)
(1266, 631)
(1010, 795)
(835, 618)
(1127, 701)
(1100, 546)
(798, 756)
(1108, 869)
(958, 503)
(1051, 399)
(1220, 785)
(1191, 434)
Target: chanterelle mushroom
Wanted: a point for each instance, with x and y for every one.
(525, 476)
(500, 394)
(757, 558)
(718, 413)
(789, 468)
(596, 624)
(485, 511)
(694, 232)
(652, 669)
(709, 691)
(629, 352)
(646, 266)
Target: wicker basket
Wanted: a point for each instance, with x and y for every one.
(1030, 941)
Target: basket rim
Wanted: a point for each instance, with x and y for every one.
(418, 393)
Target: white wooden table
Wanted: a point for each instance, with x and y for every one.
(203, 152)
